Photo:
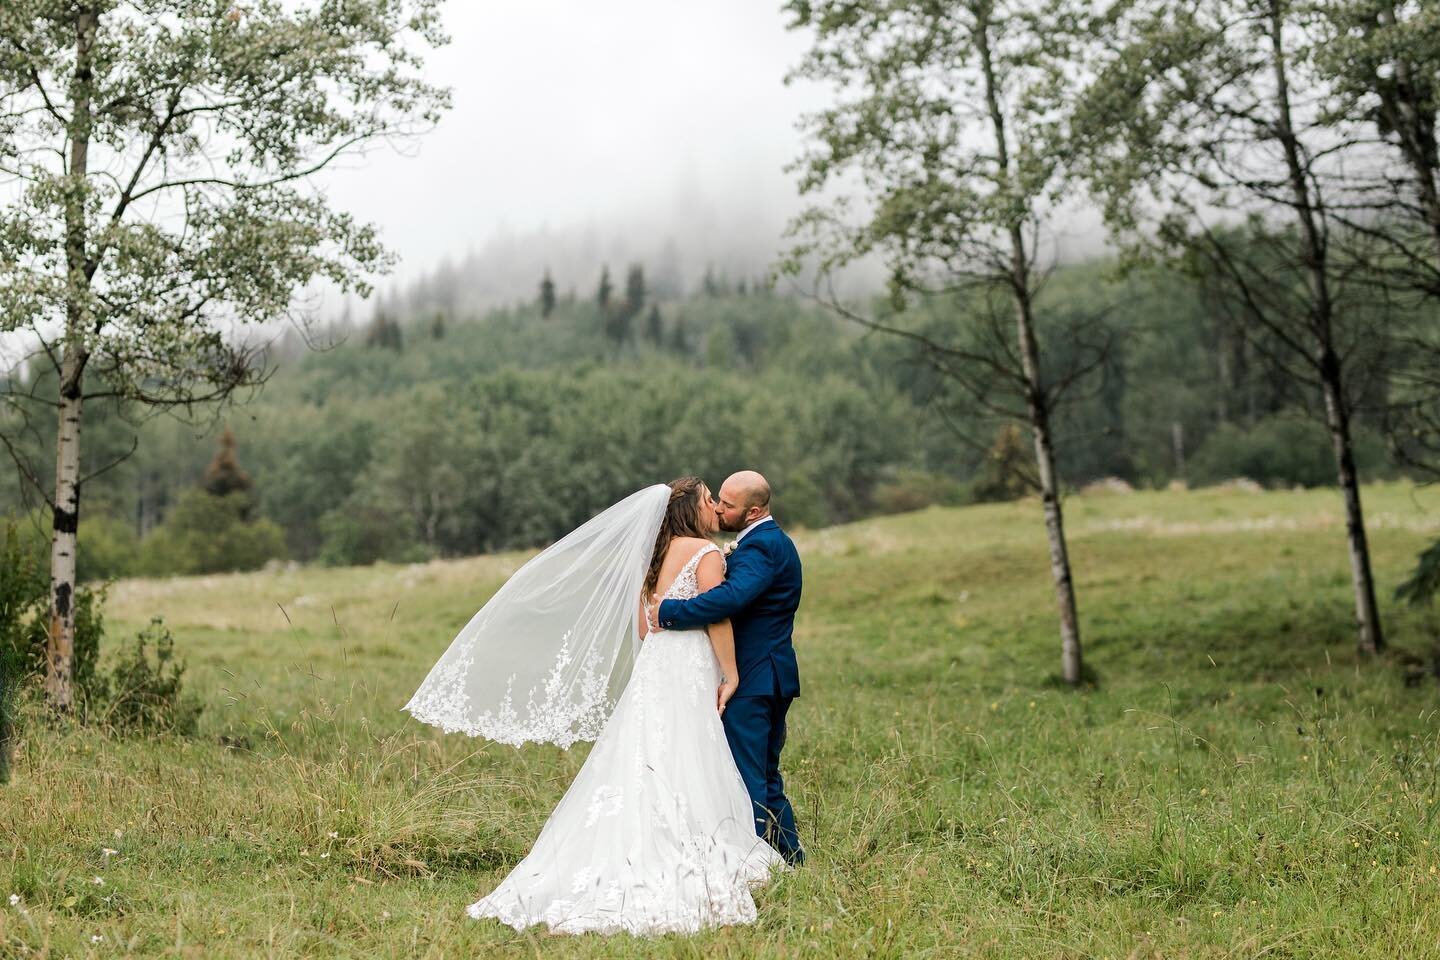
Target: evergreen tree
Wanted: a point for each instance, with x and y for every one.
(602, 294)
(223, 476)
(711, 285)
(679, 340)
(634, 290)
(654, 329)
(547, 295)
(384, 331)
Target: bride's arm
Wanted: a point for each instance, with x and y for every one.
(708, 575)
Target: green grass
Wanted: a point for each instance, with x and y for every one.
(1239, 784)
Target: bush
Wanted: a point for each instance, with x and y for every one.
(206, 533)
(25, 617)
(143, 693)
(1008, 469)
(355, 535)
(908, 490)
(24, 630)
(108, 548)
(1279, 452)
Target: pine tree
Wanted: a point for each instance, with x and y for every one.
(223, 476)
(654, 329)
(384, 331)
(679, 341)
(634, 290)
(547, 295)
(602, 294)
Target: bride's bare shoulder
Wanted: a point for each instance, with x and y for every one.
(687, 546)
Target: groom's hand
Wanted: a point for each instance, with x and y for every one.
(655, 619)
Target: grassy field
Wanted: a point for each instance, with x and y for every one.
(1238, 785)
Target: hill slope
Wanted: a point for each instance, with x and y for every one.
(1237, 784)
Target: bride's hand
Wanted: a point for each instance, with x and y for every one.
(726, 690)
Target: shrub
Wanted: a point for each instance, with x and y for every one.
(24, 622)
(206, 533)
(108, 548)
(356, 535)
(143, 692)
(908, 490)
(1008, 469)
(1280, 451)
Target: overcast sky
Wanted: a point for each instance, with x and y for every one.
(568, 114)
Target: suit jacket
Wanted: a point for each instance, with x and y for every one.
(760, 595)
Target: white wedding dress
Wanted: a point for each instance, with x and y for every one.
(656, 834)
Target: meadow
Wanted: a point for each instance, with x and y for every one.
(1237, 784)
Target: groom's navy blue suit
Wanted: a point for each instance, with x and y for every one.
(760, 595)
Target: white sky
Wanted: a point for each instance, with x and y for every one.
(569, 113)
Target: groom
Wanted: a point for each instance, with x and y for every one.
(759, 595)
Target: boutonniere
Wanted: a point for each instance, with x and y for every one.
(729, 548)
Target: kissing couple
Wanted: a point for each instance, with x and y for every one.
(636, 631)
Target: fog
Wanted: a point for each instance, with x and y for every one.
(590, 133)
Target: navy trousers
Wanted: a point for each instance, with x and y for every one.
(755, 727)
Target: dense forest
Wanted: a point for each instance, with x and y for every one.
(421, 432)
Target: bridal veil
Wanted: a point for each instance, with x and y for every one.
(545, 659)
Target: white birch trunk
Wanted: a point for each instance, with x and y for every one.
(60, 644)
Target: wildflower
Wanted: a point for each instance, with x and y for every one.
(1204, 791)
(96, 938)
(1215, 914)
(334, 834)
(119, 833)
(325, 856)
(107, 852)
(14, 899)
(98, 881)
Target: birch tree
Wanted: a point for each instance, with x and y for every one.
(945, 130)
(155, 156)
(1207, 133)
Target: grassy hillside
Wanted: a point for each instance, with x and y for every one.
(1238, 785)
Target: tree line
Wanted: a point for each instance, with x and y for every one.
(1283, 153)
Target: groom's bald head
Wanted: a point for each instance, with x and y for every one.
(744, 498)
(750, 487)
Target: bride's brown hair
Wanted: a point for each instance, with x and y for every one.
(682, 519)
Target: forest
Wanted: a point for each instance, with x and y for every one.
(425, 432)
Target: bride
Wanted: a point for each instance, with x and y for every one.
(655, 835)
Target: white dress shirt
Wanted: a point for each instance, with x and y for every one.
(741, 535)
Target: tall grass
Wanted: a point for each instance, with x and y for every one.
(1238, 785)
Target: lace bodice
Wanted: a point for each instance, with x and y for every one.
(686, 585)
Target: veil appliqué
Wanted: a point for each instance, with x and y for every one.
(545, 659)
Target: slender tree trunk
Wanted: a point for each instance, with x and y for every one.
(1327, 361)
(60, 646)
(1367, 611)
(1071, 665)
(1037, 403)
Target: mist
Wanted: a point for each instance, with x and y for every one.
(585, 133)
